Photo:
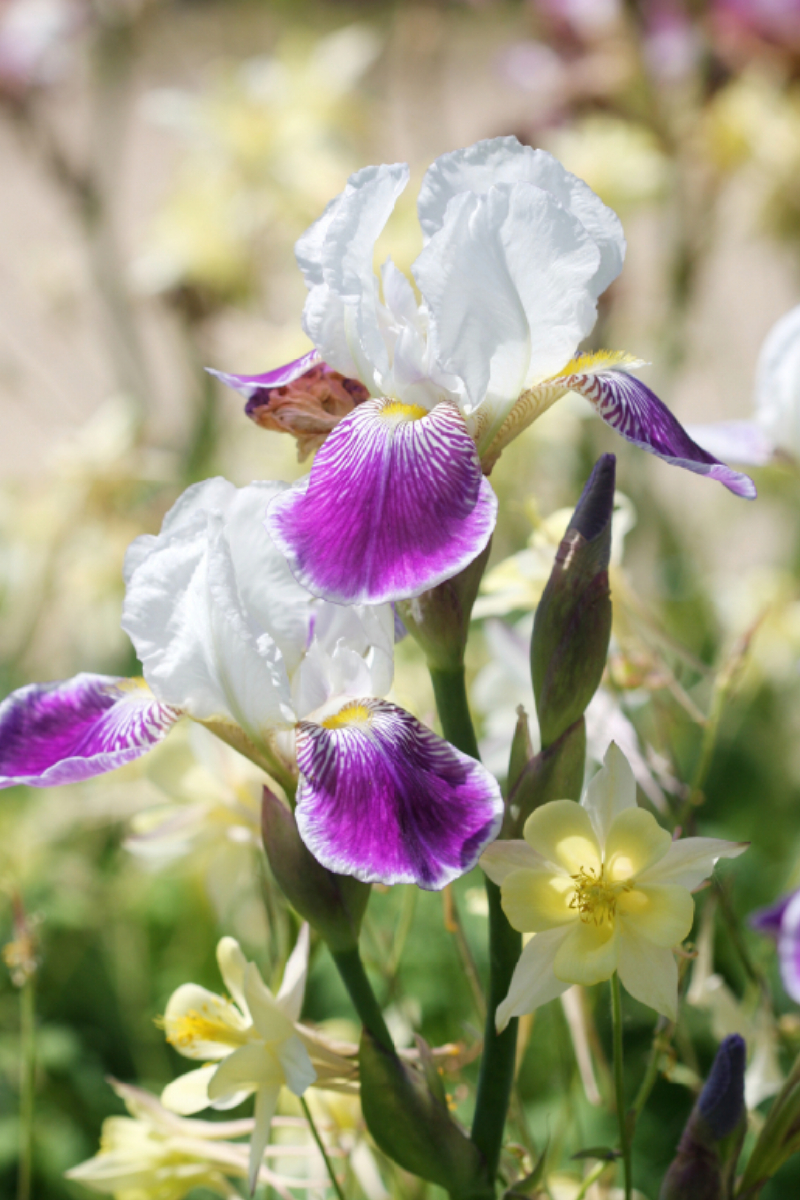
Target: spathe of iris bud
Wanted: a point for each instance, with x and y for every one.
(573, 618)
(709, 1147)
(333, 905)
(439, 618)
(410, 1121)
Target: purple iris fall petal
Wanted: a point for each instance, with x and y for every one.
(769, 920)
(383, 798)
(249, 385)
(630, 407)
(52, 733)
(396, 502)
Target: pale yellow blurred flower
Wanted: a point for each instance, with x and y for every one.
(620, 160)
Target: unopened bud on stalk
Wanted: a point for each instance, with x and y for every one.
(439, 618)
(333, 905)
(411, 1123)
(711, 1141)
(573, 618)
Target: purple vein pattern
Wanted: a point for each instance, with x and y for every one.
(53, 733)
(393, 506)
(629, 406)
(383, 798)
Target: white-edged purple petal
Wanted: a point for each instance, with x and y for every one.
(53, 733)
(396, 503)
(768, 920)
(630, 407)
(789, 947)
(742, 441)
(250, 385)
(383, 798)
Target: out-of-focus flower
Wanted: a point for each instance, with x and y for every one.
(751, 1018)
(342, 1114)
(35, 40)
(155, 1155)
(516, 253)
(228, 637)
(254, 1039)
(602, 888)
(672, 41)
(264, 150)
(620, 160)
(782, 922)
(775, 431)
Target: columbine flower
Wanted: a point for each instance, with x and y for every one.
(516, 253)
(254, 1040)
(603, 888)
(155, 1155)
(228, 637)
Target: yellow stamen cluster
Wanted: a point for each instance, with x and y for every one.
(197, 1027)
(595, 897)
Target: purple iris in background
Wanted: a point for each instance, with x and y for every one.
(516, 252)
(228, 637)
(781, 921)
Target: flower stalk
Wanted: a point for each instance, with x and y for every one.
(619, 1085)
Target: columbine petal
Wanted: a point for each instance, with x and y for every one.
(201, 1024)
(691, 860)
(395, 504)
(630, 407)
(247, 1069)
(52, 733)
(635, 842)
(648, 972)
(537, 900)
(610, 792)
(271, 1022)
(266, 1103)
(663, 914)
(533, 982)
(562, 832)
(297, 1066)
(189, 1093)
(588, 953)
(293, 984)
(501, 858)
(517, 246)
(383, 798)
(232, 966)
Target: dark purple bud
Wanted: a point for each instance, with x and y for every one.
(721, 1101)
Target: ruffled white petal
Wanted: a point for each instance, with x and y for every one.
(778, 384)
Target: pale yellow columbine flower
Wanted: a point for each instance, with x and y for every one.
(251, 1044)
(603, 888)
(154, 1155)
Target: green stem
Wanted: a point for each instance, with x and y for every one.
(505, 944)
(591, 1178)
(619, 1085)
(321, 1148)
(661, 1040)
(27, 999)
(354, 978)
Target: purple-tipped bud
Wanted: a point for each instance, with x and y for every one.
(721, 1101)
(573, 619)
(707, 1152)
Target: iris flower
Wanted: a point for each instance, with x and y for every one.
(603, 888)
(251, 1044)
(516, 253)
(228, 637)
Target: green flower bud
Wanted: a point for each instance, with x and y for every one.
(439, 618)
(573, 618)
(333, 905)
(553, 774)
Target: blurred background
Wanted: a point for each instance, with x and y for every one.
(160, 157)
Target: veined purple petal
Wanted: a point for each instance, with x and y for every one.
(53, 733)
(383, 798)
(396, 503)
(249, 385)
(630, 407)
(769, 920)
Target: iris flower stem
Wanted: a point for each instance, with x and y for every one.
(355, 979)
(505, 944)
(27, 1000)
(321, 1147)
(619, 1085)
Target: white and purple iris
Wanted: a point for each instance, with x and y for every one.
(781, 921)
(228, 637)
(516, 253)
